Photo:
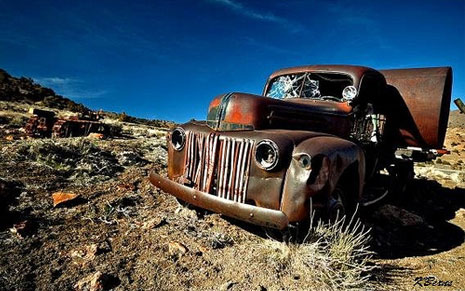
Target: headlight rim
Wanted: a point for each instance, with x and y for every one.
(305, 165)
(349, 93)
(275, 147)
(183, 135)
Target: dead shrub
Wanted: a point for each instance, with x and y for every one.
(78, 159)
(333, 256)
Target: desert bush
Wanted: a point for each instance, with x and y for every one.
(333, 256)
(80, 160)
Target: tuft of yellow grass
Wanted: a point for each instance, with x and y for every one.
(333, 256)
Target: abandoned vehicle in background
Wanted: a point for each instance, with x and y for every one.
(44, 123)
(319, 138)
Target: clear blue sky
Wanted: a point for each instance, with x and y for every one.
(168, 59)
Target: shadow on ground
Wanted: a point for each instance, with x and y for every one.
(412, 224)
(416, 222)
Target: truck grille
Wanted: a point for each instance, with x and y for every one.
(218, 165)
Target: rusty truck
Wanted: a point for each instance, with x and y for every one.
(319, 138)
(44, 123)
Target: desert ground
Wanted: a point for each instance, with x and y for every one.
(121, 233)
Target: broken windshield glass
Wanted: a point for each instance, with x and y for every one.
(327, 86)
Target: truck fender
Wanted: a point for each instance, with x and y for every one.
(330, 158)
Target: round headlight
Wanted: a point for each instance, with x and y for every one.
(178, 138)
(266, 154)
(349, 93)
(305, 161)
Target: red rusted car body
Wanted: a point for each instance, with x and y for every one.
(44, 123)
(315, 139)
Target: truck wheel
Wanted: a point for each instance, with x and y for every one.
(340, 204)
(336, 207)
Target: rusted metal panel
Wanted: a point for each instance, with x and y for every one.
(44, 123)
(241, 112)
(422, 103)
(249, 213)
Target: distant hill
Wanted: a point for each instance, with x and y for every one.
(24, 90)
(456, 119)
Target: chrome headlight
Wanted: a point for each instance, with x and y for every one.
(349, 93)
(266, 154)
(178, 138)
(305, 161)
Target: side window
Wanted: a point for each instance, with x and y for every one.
(369, 120)
(367, 89)
(371, 89)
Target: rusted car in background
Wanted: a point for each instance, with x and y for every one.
(44, 123)
(318, 138)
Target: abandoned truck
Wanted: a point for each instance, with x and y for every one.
(44, 123)
(319, 138)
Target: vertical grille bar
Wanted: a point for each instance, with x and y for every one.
(231, 169)
(237, 193)
(219, 178)
(247, 168)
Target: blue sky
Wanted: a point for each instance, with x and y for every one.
(168, 59)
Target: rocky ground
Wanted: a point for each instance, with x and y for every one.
(121, 233)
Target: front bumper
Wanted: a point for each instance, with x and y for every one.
(249, 213)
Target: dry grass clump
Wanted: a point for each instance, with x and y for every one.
(77, 159)
(333, 256)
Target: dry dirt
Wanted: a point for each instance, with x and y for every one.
(124, 234)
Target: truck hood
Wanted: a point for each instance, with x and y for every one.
(240, 111)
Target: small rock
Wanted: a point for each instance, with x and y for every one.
(176, 249)
(95, 135)
(21, 229)
(62, 197)
(86, 253)
(202, 250)
(220, 241)
(186, 212)
(97, 282)
(154, 222)
(89, 252)
(228, 285)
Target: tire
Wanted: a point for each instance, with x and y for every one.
(340, 203)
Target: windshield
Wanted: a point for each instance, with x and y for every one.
(323, 86)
